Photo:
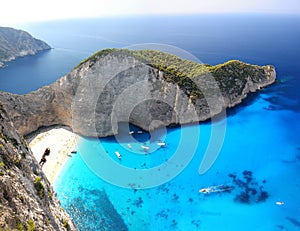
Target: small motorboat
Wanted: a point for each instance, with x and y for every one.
(74, 152)
(140, 132)
(129, 146)
(216, 189)
(131, 132)
(279, 203)
(161, 144)
(145, 148)
(118, 154)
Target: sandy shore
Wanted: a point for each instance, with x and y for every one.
(61, 142)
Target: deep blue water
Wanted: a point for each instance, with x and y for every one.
(262, 134)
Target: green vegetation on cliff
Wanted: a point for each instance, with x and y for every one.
(96, 56)
(39, 187)
(165, 62)
(185, 72)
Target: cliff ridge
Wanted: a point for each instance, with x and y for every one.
(147, 88)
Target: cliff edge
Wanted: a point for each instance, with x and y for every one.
(27, 201)
(17, 43)
(147, 88)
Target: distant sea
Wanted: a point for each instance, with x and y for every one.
(260, 156)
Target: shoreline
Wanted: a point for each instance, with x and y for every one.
(61, 141)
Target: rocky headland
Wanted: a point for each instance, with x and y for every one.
(147, 88)
(17, 43)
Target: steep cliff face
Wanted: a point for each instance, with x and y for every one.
(26, 197)
(130, 86)
(16, 43)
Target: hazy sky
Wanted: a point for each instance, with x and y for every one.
(18, 11)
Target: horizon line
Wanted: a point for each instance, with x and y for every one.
(11, 24)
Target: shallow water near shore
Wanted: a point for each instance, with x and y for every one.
(257, 139)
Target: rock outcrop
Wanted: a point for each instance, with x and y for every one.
(17, 43)
(147, 88)
(27, 201)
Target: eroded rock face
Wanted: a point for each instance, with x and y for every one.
(103, 91)
(26, 198)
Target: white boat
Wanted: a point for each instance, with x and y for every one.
(216, 189)
(129, 146)
(279, 203)
(140, 132)
(145, 148)
(118, 154)
(162, 144)
(131, 132)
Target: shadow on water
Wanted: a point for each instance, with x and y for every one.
(294, 221)
(284, 94)
(128, 132)
(248, 101)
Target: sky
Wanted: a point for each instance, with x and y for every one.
(22, 11)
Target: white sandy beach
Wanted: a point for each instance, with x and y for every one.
(61, 143)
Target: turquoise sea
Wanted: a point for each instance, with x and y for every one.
(259, 159)
(256, 140)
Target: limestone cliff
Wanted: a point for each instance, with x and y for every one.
(147, 88)
(27, 201)
(17, 43)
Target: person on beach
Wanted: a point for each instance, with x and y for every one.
(43, 160)
(47, 152)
